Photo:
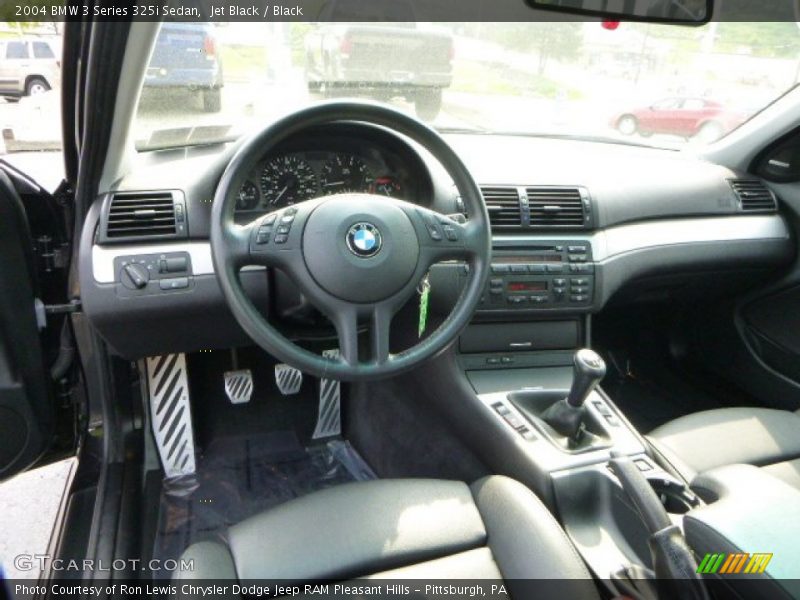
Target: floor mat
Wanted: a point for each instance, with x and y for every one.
(239, 477)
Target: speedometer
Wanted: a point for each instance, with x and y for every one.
(286, 180)
(345, 174)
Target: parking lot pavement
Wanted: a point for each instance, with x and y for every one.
(29, 505)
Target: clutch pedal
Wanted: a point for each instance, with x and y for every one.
(239, 386)
(329, 419)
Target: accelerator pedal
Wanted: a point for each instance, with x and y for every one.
(288, 379)
(170, 413)
(329, 418)
(239, 386)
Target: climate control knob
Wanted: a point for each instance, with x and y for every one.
(134, 276)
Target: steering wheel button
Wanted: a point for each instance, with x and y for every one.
(281, 238)
(269, 219)
(262, 238)
(450, 233)
(434, 232)
(283, 229)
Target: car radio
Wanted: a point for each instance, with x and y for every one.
(547, 275)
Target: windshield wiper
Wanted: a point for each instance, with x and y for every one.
(554, 136)
(601, 139)
(474, 130)
(182, 137)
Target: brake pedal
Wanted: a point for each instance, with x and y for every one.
(329, 419)
(170, 413)
(239, 386)
(288, 379)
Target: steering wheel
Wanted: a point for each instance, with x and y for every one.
(357, 257)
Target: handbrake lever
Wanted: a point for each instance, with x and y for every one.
(673, 562)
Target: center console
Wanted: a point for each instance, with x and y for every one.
(574, 436)
(537, 402)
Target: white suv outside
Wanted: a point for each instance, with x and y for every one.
(28, 66)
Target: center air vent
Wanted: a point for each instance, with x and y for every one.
(503, 206)
(144, 215)
(753, 195)
(565, 207)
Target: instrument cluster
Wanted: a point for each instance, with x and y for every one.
(293, 176)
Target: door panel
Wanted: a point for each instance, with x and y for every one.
(26, 407)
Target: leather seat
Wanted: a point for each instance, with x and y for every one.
(415, 528)
(762, 437)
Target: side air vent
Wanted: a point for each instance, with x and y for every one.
(503, 206)
(754, 196)
(144, 215)
(552, 207)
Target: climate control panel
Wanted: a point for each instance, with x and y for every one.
(548, 275)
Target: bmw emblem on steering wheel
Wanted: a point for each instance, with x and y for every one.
(364, 240)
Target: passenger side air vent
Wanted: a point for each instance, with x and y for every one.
(754, 196)
(503, 206)
(144, 215)
(565, 207)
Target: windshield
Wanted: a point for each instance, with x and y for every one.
(637, 83)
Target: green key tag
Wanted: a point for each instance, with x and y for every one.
(424, 294)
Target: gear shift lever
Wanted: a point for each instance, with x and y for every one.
(589, 369)
(566, 416)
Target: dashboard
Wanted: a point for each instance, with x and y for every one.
(654, 213)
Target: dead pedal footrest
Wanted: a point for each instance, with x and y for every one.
(168, 389)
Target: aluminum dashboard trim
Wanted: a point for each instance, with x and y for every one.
(606, 243)
(200, 252)
(622, 239)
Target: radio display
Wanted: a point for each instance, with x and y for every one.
(526, 286)
(545, 258)
(531, 258)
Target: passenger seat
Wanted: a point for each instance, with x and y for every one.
(763, 437)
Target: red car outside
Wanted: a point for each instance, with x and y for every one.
(686, 117)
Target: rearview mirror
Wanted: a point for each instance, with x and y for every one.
(689, 12)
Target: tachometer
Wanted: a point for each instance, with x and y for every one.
(345, 174)
(286, 180)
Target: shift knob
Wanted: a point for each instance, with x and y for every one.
(590, 368)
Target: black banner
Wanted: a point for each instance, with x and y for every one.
(356, 10)
(394, 589)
